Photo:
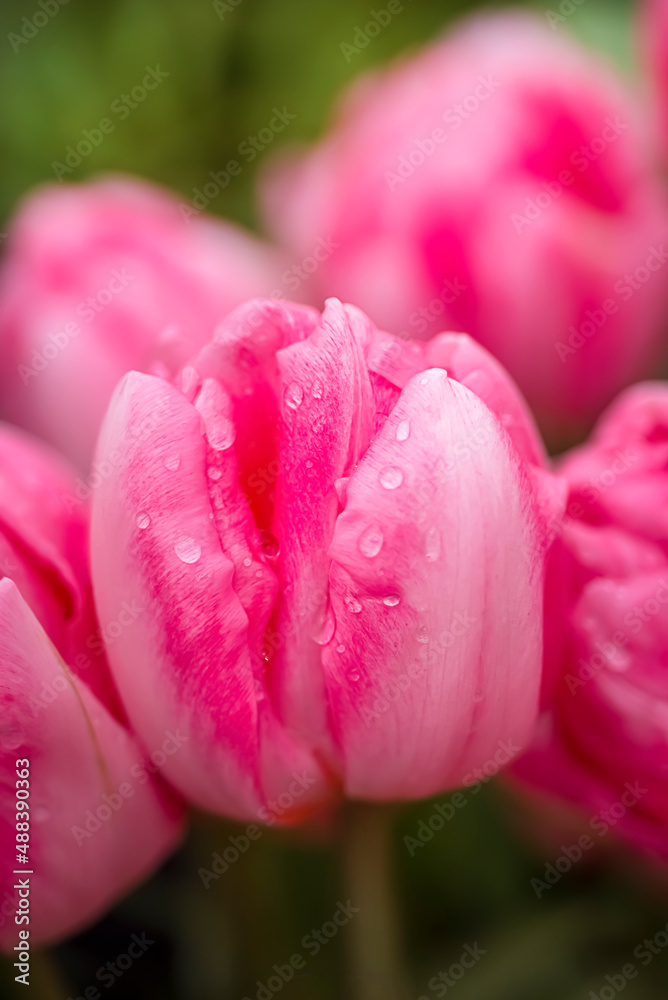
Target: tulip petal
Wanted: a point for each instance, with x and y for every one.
(96, 829)
(186, 660)
(435, 587)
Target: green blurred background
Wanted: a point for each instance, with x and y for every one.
(471, 882)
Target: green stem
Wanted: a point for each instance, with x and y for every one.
(376, 969)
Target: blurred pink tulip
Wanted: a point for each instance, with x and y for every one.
(94, 828)
(104, 277)
(606, 629)
(340, 548)
(499, 183)
(654, 53)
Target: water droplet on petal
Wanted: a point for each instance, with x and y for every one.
(370, 542)
(391, 600)
(190, 382)
(11, 738)
(220, 432)
(294, 394)
(432, 545)
(187, 549)
(317, 389)
(215, 473)
(403, 430)
(424, 380)
(354, 676)
(422, 634)
(341, 648)
(143, 520)
(172, 462)
(270, 545)
(259, 689)
(327, 627)
(352, 604)
(247, 561)
(391, 477)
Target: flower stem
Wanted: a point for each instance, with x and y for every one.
(376, 969)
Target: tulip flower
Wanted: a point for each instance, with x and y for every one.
(82, 819)
(602, 745)
(339, 541)
(654, 54)
(498, 182)
(104, 277)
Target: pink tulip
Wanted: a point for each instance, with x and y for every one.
(499, 183)
(654, 53)
(607, 630)
(340, 549)
(104, 277)
(95, 828)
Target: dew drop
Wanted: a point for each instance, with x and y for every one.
(391, 600)
(432, 545)
(317, 389)
(220, 432)
(270, 545)
(309, 463)
(172, 462)
(354, 676)
(422, 634)
(341, 648)
(143, 520)
(190, 381)
(370, 542)
(424, 380)
(403, 430)
(247, 561)
(187, 549)
(11, 738)
(327, 628)
(294, 394)
(215, 473)
(391, 477)
(352, 604)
